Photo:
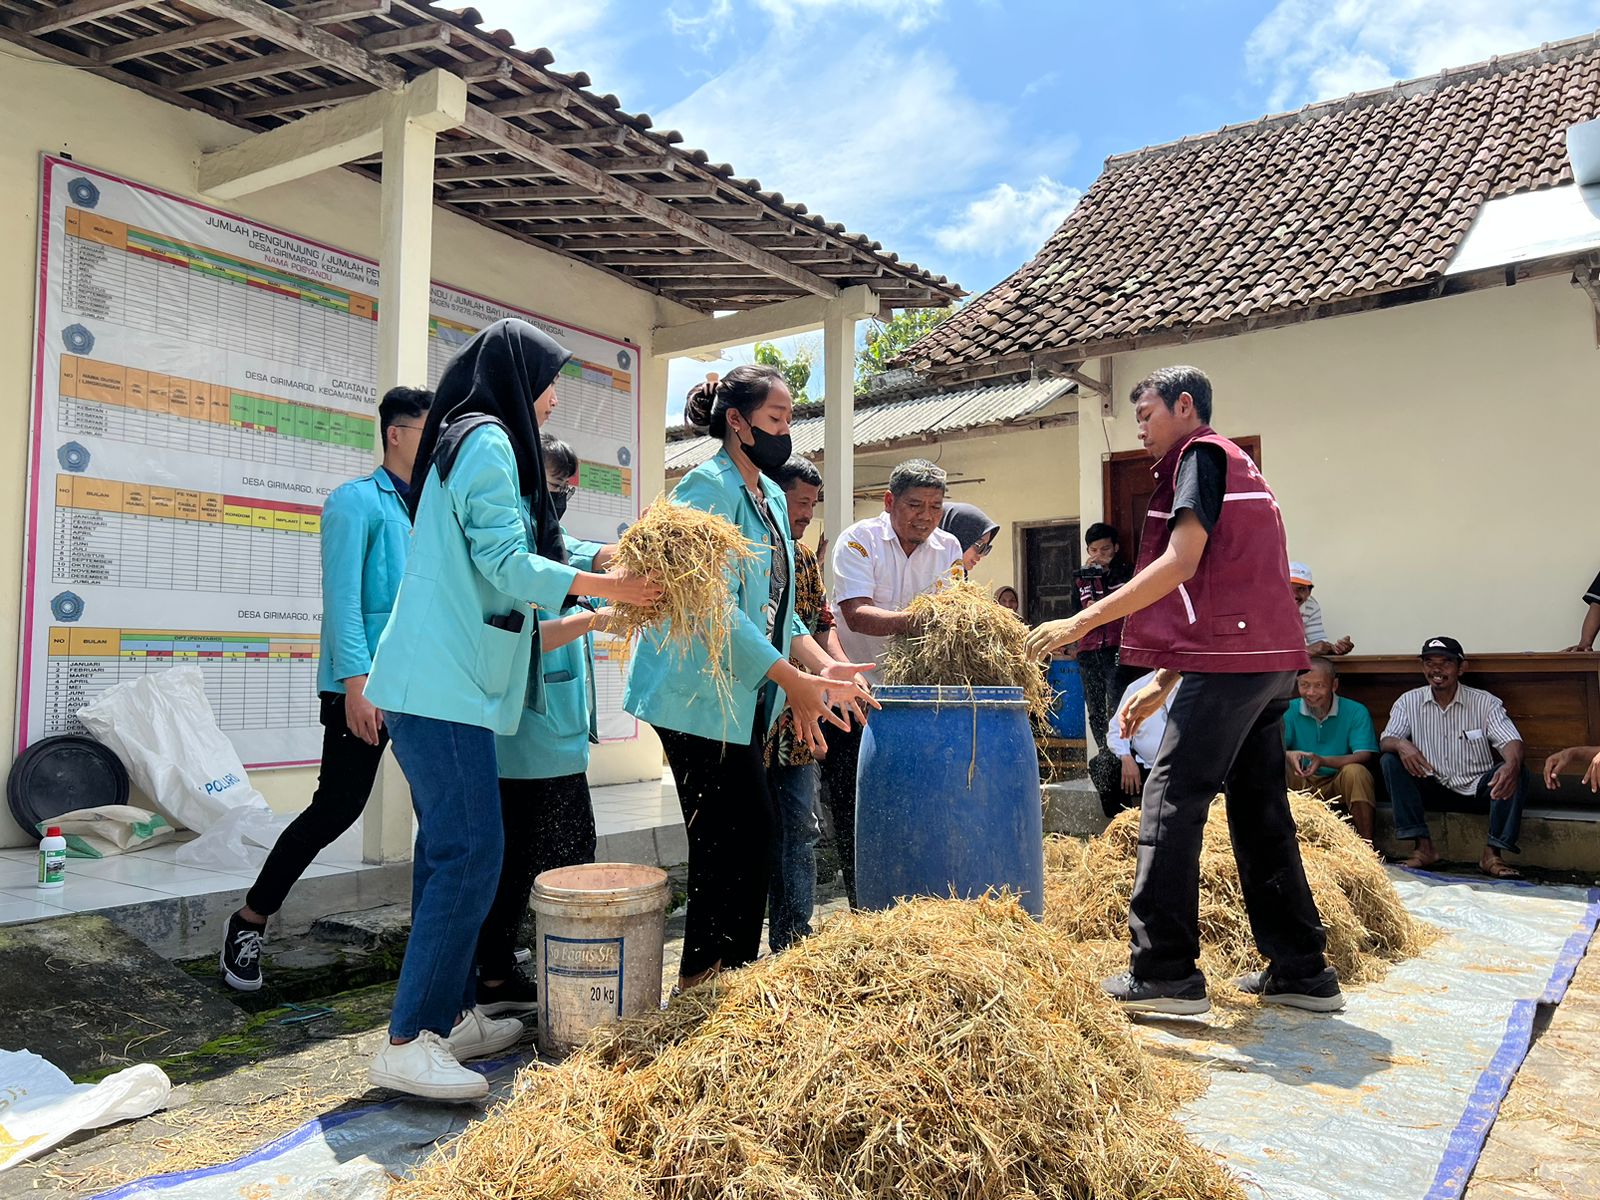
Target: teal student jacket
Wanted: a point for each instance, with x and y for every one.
(471, 560)
(672, 690)
(555, 742)
(365, 530)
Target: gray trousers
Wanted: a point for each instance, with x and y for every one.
(1225, 733)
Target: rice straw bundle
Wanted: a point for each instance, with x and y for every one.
(690, 553)
(940, 1050)
(963, 637)
(1088, 885)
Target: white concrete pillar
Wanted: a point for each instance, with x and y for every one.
(839, 419)
(405, 268)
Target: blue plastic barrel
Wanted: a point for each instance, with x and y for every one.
(1066, 713)
(947, 797)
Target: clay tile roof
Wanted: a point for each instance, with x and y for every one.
(1336, 202)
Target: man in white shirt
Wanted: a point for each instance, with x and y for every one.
(1317, 643)
(1120, 769)
(1440, 750)
(879, 565)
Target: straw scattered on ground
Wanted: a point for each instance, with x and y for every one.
(1088, 885)
(942, 1049)
(963, 638)
(691, 553)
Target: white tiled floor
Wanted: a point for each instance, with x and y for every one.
(154, 874)
(623, 807)
(143, 877)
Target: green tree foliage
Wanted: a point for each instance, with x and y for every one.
(796, 371)
(885, 340)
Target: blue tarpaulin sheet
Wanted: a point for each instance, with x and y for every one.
(1389, 1100)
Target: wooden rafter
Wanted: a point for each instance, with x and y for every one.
(575, 170)
(258, 65)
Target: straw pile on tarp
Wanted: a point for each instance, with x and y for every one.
(962, 637)
(1088, 885)
(692, 554)
(940, 1050)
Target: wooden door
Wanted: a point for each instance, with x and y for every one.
(1128, 487)
(1050, 555)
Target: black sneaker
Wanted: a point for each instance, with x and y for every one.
(241, 954)
(515, 996)
(1320, 993)
(1174, 997)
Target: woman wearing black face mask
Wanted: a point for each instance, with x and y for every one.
(714, 743)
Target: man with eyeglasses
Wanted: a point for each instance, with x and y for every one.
(365, 533)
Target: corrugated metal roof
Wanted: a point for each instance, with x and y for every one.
(916, 416)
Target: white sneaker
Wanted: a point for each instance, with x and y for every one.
(425, 1067)
(476, 1035)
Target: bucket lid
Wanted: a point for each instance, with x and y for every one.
(600, 883)
(947, 694)
(59, 775)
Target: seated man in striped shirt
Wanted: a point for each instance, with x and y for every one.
(1439, 752)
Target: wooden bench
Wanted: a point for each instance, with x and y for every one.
(1554, 700)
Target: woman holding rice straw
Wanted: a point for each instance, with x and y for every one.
(545, 808)
(714, 741)
(452, 671)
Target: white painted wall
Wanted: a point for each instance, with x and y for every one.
(52, 108)
(1436, 463)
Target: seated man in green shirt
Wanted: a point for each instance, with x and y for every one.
(1330, 746)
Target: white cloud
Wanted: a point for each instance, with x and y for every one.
(908, 16)
(584, 35)
(1006, 220)
(1308, 50)
(871, 136)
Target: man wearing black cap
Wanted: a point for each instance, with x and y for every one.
(1439, 752)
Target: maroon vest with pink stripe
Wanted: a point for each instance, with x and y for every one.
(1237, 615)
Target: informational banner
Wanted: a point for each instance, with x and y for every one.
(201, 384)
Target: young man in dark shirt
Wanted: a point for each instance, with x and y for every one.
(1102, 573)
(1210, 602)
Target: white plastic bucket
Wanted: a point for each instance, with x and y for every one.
(601, 931)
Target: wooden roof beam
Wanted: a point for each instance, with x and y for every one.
(800, 315)
(523, 106)
(327, 12)
(68, 15)
(568, 191)
(575, 170)
(305, 38)
(242, 69)
(430, 36)
(309, 100)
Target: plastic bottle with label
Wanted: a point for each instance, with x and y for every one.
(52, 859)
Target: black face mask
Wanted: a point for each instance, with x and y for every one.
(559, 499)
(768, 451)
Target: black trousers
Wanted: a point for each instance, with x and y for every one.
(1225, 733)
(839, 774)
(349, 767)
(1097, 669)
(729, 813)
(548, 823)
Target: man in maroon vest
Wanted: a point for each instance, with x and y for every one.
(1211, 603)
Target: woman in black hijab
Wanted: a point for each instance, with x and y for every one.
(452, 671)
(973, 530)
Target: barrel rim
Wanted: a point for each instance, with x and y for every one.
(949, 694)
(659, 883)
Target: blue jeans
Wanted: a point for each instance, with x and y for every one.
(1411, 798)
(793, 891)
(455, 790)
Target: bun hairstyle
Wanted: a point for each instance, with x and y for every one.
(743, 388)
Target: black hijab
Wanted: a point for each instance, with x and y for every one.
(496, 377)
(968, 522)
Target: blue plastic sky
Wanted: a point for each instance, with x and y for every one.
(960, 132)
